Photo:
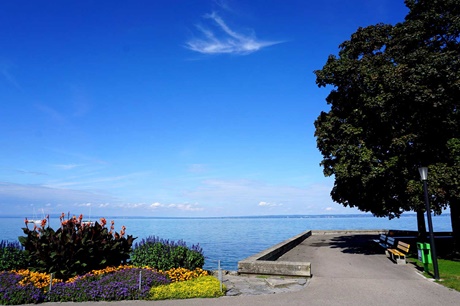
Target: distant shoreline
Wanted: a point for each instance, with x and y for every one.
(363, 215)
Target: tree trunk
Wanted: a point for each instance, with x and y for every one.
(455, 220)
(421, 226)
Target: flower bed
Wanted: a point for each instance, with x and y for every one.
(110, 284)
(89, 262)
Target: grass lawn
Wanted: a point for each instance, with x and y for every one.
(449, 272)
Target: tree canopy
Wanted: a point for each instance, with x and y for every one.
(394, 106)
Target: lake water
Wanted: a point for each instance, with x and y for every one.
(233, 239)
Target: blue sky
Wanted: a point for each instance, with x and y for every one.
(167, 107)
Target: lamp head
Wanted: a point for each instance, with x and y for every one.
(423, 173)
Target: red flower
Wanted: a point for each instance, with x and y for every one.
(103, 222)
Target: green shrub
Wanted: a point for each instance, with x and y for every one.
(12, 256)
(165, 255)
(201, 287)
(75, 248)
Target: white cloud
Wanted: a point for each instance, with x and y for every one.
(224, 40)
(266, 204)
(186, 207)
(84, 204)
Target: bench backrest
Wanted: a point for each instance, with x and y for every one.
(403, 247)
(383, 238)
(390, 241)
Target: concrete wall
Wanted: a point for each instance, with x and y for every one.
(266, 262)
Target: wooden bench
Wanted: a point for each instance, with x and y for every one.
(398, 253)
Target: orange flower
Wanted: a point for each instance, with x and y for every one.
(103, 222)
(122, 232)
(43, 223)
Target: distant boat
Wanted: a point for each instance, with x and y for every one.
(34, 219)
(88, 222)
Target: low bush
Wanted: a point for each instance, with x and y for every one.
(12, 256)
(165, 255)
(201, 287)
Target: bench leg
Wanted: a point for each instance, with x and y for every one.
(401, 261)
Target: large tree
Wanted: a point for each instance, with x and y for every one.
(395, 107)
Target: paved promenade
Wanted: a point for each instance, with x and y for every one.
(346, 271)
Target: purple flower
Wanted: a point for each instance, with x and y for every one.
(13, 293)
(116, 286)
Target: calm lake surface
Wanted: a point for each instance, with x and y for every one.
(233, 239)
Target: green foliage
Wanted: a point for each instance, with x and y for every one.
(165, 255)
(449, 272)
(75, 248)
(394, 108)
(12, 256)
(201, 287)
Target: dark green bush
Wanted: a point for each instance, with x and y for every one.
(12, 256)
(75, 248)
(164, 254)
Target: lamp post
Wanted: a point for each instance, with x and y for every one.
(424, 176)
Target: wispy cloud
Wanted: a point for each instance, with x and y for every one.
(221, 39)
(229, 196)
(197, 168)
(66, 166)
(30, 172)
(181, 207)
(22, 194)
(10, 78)
(95, 181)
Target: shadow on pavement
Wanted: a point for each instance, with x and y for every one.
(354, 244)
